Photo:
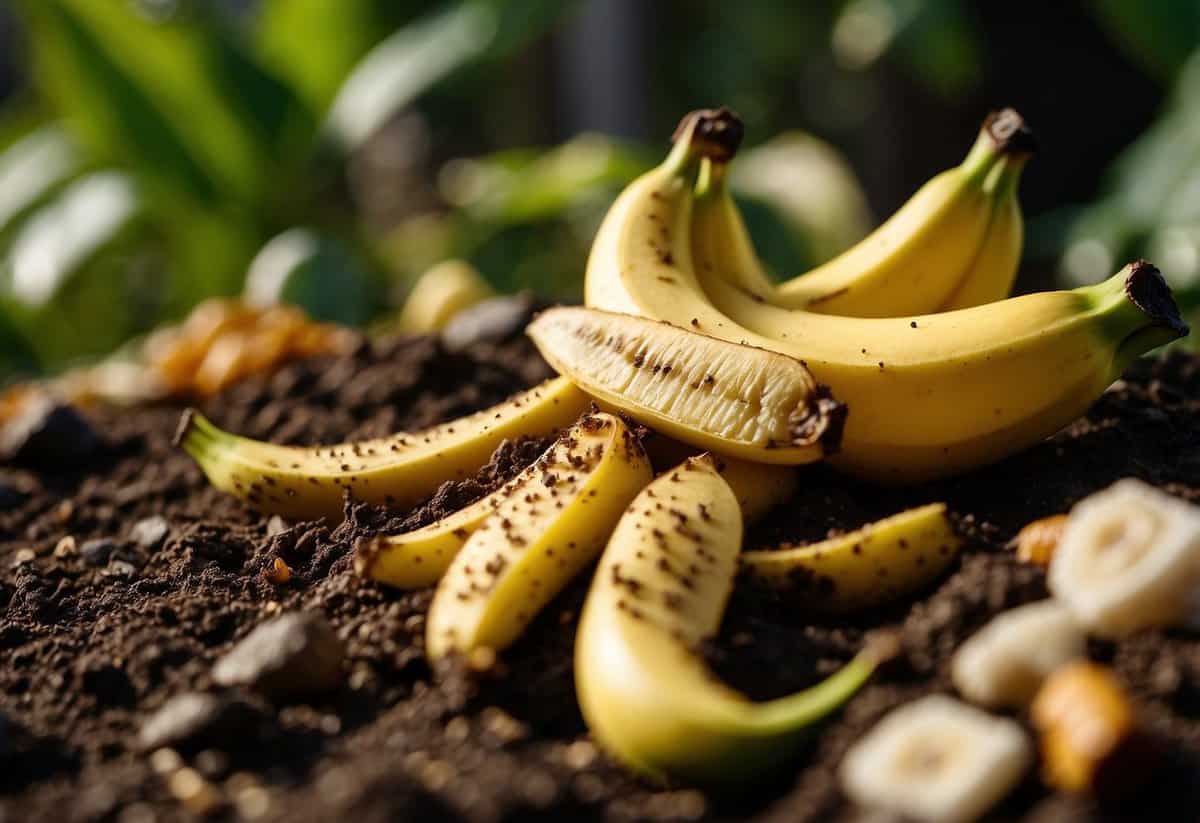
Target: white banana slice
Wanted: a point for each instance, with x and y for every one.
(1129, 559)
(1005, 662)
(936, 760)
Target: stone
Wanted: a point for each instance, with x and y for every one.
(194, 720)
(97, 551)
(491, 321)
(297, 653)
(150, 532)
(47, 434)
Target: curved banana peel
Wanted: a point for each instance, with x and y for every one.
(661, 587)
(548, 527)
(878, 563)
(400, 470)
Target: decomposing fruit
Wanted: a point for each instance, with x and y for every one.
(400, 470)
(1129, 559)
(879, 562)
(929, 395)
(439, 294)
(547, 528)
(956, 243)
(736, 400)
(936, 760)
(661, 588)
(1036, 541)
(1005, 662)
(1089, 734)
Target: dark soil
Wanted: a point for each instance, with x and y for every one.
(95, 638)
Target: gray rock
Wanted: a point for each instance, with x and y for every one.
(46, 433)
(493, 320)
(194, 720)
(150, 532)
(97, 551)
(295, 654)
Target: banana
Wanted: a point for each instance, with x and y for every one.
(400, 470)
(1128, 559)
(661, 588)
(735, 400)
(928, 396)
(952, 243)
(1004, 663)
(439, 294)
(936, 760)
(877, 563)
(549, 526)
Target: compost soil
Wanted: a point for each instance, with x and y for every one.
(162, 575)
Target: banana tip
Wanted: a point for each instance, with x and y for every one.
(1147, 289)
(185, 426)
(1008, 130)
(717, 133)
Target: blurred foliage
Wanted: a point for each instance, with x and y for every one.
(325, 152)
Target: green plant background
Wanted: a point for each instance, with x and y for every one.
(154, 147)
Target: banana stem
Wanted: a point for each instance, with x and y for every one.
(807, 707)
(1136, 307)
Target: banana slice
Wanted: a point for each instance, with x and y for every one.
(732, 399)
(661, 588)
(1129, 559)
(439, 294)
(936, 760)
(547, 528)
(1004, 663)
(877, 563)
(308, 483)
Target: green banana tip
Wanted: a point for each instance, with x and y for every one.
(715, 133)
(186, 425)
(1010, 133)
(1147, 289)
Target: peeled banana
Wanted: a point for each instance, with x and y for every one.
(927, 396)
(548, 527)
(736, 400)
(439, 294)
(936, 760)
(1128, 559)
(400, 470)
(954, 244)
(661, 588)
(877, 563)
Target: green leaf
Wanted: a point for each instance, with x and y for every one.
(32, 169)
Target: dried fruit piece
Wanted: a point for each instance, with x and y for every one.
(872, 565)
(1005, 662)
(305, 483)
(1090, 740)
(661, 588)
(1036, 541)
(1129, 559)
(712, 394)
(936, 760)
(439, 294)
(546, 530)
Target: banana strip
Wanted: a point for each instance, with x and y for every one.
(881, 561)
(401, 470)
(548, 527)
(661, 588)
(736, 400)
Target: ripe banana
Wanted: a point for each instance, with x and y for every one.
(1128, 559)
(439, 294)
(400, 470)
(877, 563)
(953, 242)
(736, 400)
(936, 760)
(661, 588)
(550, 525)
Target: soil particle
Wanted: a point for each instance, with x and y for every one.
(46, 433)
(87, 656)
(150, 532)
(194, 719)
(295, 654)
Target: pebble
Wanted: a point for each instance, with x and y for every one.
(24, 556)
(164, 761)
(276, 525)
(150, 532)
(97, 550)
(502, 726)
(66, 547)
(47, 433)
(493, 320)
(194, 718)
(294, 654)
(194, 792)
(120, 568)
